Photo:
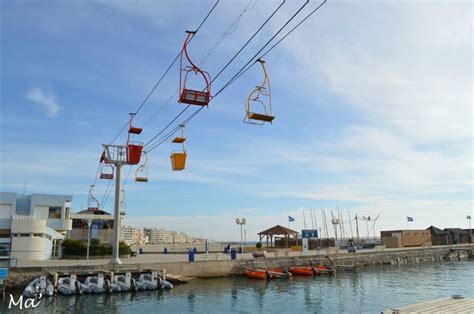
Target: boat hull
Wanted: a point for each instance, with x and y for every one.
(257, 274)
(301, 271)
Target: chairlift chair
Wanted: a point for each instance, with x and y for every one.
(106, 171)
(186, 94)
(92, 202)
(260, 97)
(180, 139)
(141, 174)
(134, 149)
(178, 157)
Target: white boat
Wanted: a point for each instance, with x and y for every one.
(40, 286)
(70, 285)
(149, 281)
(165, 284)
(123, 283)
(95, 284)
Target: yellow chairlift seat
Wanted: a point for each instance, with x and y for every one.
(260, 97)
(178, 157)
(178, 160)
(260, 117)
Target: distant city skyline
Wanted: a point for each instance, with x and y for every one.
(373, 106)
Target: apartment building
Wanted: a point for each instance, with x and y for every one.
(156, 236)
(133, 235)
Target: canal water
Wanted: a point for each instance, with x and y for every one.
(365, 291)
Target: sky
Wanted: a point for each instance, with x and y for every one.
(373, 105)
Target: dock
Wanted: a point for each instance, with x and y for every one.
(454, 304)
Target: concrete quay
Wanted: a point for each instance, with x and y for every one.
(218, 264)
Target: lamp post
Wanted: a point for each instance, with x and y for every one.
(241, 222)
(468, 217)
(89, 223)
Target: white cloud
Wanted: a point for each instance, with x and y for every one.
(44, 98)
(406, 65)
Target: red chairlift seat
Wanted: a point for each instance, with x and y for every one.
(135, 130)
(134, 149)
(186, 94)
(134, 152)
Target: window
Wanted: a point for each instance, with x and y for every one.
(54, 213)
(24, 235)
(39, 235)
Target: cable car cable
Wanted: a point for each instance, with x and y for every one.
(261, 49)
(243, 69)
(222, 70)
(234, 24)
(167, 126)
(238, 52)
(281, 39)
(161, 79)
(232, 27)
(248, 41)
(166, 72)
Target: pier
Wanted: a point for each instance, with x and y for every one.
(455, 304)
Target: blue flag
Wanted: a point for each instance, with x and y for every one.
(409, 218)
(290, 219)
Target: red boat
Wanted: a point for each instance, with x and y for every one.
(324, 270)
(302, 271)
(257, 274)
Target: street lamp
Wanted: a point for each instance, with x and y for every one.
(89, 222)
(241, 222)
(468, 217)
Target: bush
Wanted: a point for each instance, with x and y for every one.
(74, 247)
(258, 245)
(79, 248)
(124, 248)
(95, 242)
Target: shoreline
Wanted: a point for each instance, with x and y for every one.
(221, 265)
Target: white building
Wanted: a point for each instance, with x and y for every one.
(34, 225)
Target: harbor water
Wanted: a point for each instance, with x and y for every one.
(364, 291)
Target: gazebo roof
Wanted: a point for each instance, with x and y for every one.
(278, 230)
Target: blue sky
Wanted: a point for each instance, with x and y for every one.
(373, 105)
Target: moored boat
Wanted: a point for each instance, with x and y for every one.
(39, 287)
(69, 285)
(96, 284)
(324, 270)
(302, 271)
(257, 274)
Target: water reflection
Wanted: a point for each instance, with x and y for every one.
(370, 290)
